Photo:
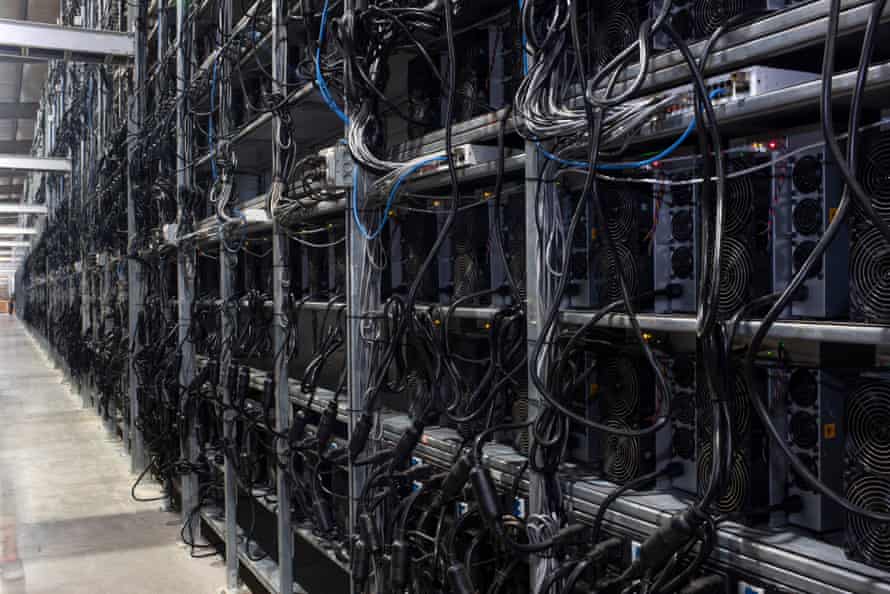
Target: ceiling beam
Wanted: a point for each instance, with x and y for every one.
(38, 209)
(29, 163)
(7, 230)
(54, 42)
(27, 111)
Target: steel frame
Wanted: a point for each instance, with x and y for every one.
(33, 39)
(801, 27)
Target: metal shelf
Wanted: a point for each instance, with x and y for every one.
(801, 26)
(313, 121)
(785, 555)
(317, 403)
(265, 571)
(824, 331)
(243, 22)
(799, 99)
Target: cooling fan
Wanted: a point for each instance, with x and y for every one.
(874, 172)
(467, 265)
(708, 15)
(682, 262)
(621, 211)
(620, 388)
(736, 275)
(801, 252)
(739, 408)
(870, 276)
(607, 273)
(617, 28)
(807, 217)
(520, 412)
(802, 388)
(739, 204)
(735, 494)
(621, 455)
(682, 226)
(467, 272)
(868, 427)
(868, 540)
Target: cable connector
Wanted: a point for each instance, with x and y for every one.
(243, 384)
(486, 497)
(360, 434)
(326, 425)
(398, 565)
(661, 545)
(454, 482)
(459, 579)
(269, 394)
(361, 566)
(368, 530)
(710, 584)
(298, 427)
(406, 444)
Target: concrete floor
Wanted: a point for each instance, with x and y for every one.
(67, 521)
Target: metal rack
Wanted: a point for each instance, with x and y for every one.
(803, 563)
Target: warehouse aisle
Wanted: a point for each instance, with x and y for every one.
(67, 521)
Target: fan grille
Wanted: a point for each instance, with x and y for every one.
(802, 388)
(869, 539)
(708, 15)
(804, 430)
(682, 262)
(621, 212)
(739, 204)
(739, 407)
(682, 226)
(807, 216)
(735, 492)
(621, 387)
(807, 175)
(621, 455)
(868, 426)
(607, 272)
(619, 31)
(874, 171)
(735, 276)
(870, 276)
(466, 270)
(801, 252)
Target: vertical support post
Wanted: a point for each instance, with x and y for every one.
(362, 296)
(136, 18)
(85, 293)
(227, 266)
(186, 255)
(281, 290)
(536, 303)
(108, 282)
